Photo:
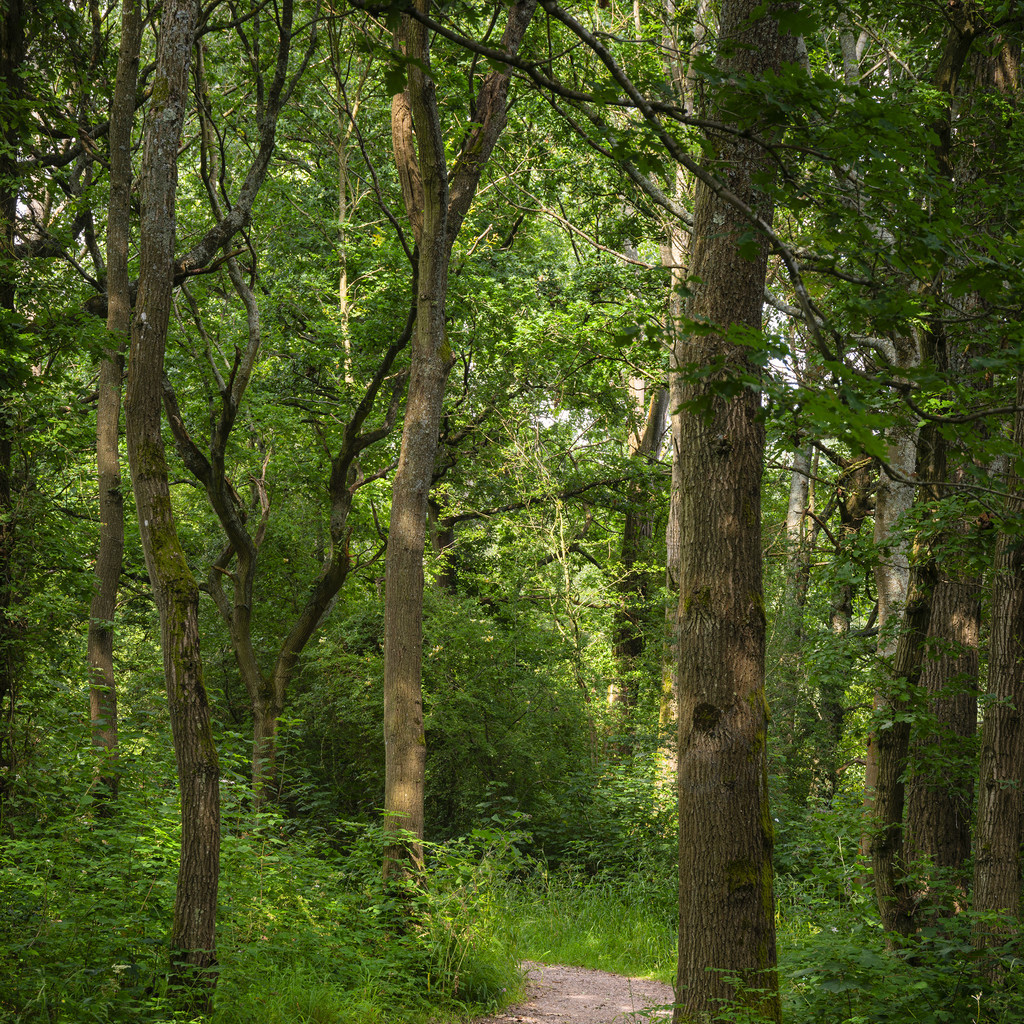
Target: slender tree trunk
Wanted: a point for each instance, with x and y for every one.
(675, 255)
(12, 56)
(437, 203)
(633, 583)
(896, 900)
(997, 861)
(892, 572)
(726, 913)
(100, 643)
(854, 500)
(192, 940)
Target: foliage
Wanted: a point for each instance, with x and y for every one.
(307, 932)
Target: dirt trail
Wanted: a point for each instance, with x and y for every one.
(575, 995)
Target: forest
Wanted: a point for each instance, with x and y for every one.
(499, 482)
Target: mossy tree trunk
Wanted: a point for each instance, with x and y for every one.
(726, 914)
(193, 955)
(437, 202)
(100, 644)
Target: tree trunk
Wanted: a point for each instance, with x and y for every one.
(633, 583)
(940, 797)
(892, 571)
(896, 901)
(12, 56)
(726, 913)
(193, 956)
(997, 862)
(437, 203)
(675, 255)
(100, 643)
(853, 491)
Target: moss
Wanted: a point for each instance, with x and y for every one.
(706, 717)
(161, 90)
(741, 874)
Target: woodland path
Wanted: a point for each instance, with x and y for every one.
(575, 995)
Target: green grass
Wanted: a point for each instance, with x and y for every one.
(626, 928)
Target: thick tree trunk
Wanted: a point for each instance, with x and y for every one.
(940, 789)
(997, 861)
(437, 203)
(726, 913)
(100, 643)
(193, 956)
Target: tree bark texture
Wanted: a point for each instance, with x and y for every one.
(896, 900)
(174, 588)
(633, 583)
(940, 790)
(12, 56)
(997, 863)
(726, 913)
(675, 256)
(437, 203)
(100, 642)
(898, 701)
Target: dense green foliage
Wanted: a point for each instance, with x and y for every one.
(550, 810)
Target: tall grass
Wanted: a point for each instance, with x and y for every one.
(627, 927)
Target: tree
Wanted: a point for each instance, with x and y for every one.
(100, 646)
(726, 917)
(997, 865)
(193, 944)
(437, 202)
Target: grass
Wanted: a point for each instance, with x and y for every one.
(611, 926)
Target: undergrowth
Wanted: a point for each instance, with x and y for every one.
(306, 932)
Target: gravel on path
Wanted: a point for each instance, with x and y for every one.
(575, 995)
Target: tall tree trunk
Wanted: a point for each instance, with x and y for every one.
(896, 901)
(100, 643)
(192, 941)
(997, 861)
(437, 203)
(675, 255)
(726, 913)
(892, 569)
(12, 56)
(940, 789)
(853, 492)
(633, 583)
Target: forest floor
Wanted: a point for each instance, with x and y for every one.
(575, 995)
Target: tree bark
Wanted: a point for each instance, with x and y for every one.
(437, 203)
(726, 914)
(940, 796)
(193, 956)
(896, 899)
(997, 862)
(12, 56)
(675, 255)
(100, 641)
(633, 582)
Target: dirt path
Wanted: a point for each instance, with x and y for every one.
(575, 995)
